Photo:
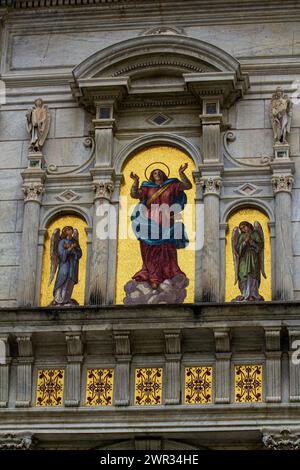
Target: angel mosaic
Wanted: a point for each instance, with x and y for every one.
(65, 253)
(38, 124)
(248, 255)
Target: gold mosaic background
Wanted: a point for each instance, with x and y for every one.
(99, 387)
(198, 385)
(148, 386)
(50, 387)
(129, 257)
(248, 383)
(78, 292)
(251, 215)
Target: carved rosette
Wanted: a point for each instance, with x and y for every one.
(12, 441)
(282, 183)
(211, 185)
(283, 440)
(32, 192)
(103, 190)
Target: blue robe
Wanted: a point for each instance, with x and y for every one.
(68, 264)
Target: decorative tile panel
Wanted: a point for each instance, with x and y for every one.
(50, 387)
(99, 387)
(248, 383)
(148, 386)
(198, 385)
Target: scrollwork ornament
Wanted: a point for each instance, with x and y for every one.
(103, 189)
(12, 441)
(284, 440)
(282, 183)
(32, 192)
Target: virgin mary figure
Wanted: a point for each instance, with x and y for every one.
(155, 222)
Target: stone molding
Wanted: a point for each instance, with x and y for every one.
(15, 441)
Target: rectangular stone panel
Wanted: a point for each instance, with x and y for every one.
(10, 154)
(9, 248)
(8, 211)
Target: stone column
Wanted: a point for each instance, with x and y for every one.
(5, 361)
(29, 246)
(73, 370)
(122, 371)
(199, 228)
(282, 187)
(172, 371)
(222, 372)
(24, 370)
(211, 248)
(294, 360)
(103, 212)
(273, 365)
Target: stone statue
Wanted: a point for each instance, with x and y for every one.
(38, 124)
(248, 256)
(281, 115)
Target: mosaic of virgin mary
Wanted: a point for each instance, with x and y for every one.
(156, 223)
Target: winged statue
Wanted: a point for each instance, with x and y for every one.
(38, 124)
(65, 253)
(248, 243)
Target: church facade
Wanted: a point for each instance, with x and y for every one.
(149, 225)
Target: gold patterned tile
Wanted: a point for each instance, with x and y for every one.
(50, 387)
(198, 385)
(148, 386)
(99, 387)
(248, 383)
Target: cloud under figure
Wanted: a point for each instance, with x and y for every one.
(170, 291)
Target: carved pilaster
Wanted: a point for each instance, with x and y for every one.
(211, 185)
(5, 361)
(173, 358)
(273, 365)
(32, 192)
(282, 183)
(24, 370)
(223, 357)
(122, 372)
(294, 361)
(17, 441)
(282, 440)
(282, 187)
(73, 370)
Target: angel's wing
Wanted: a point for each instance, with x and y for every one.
(28, 119)
(234, 241)
(289, 114)
(54, 254)
(259, 230)
(46, 126)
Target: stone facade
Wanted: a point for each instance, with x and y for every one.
(106, 70)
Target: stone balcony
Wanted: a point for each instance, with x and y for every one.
(225, 375)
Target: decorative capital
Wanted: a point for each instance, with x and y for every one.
(282, 183)
(14, 441)
(283, 440)
(103, 190)
(32, 192)
(211, 185)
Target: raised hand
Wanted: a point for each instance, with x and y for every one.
(183, 168)
(134, 177)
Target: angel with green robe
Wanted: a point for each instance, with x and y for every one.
(248, 256)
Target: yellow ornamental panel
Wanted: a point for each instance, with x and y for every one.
(50, 387)
(148, 386)
(99, 387)
(56, 288)
(198, 385)
(248, 383)
(248, 273)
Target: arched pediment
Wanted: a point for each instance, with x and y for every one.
(159, 64)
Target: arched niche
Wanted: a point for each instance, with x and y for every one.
(59, 221)
(129, 259)
(235, 217)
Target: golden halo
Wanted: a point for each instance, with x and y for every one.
(156, 166)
